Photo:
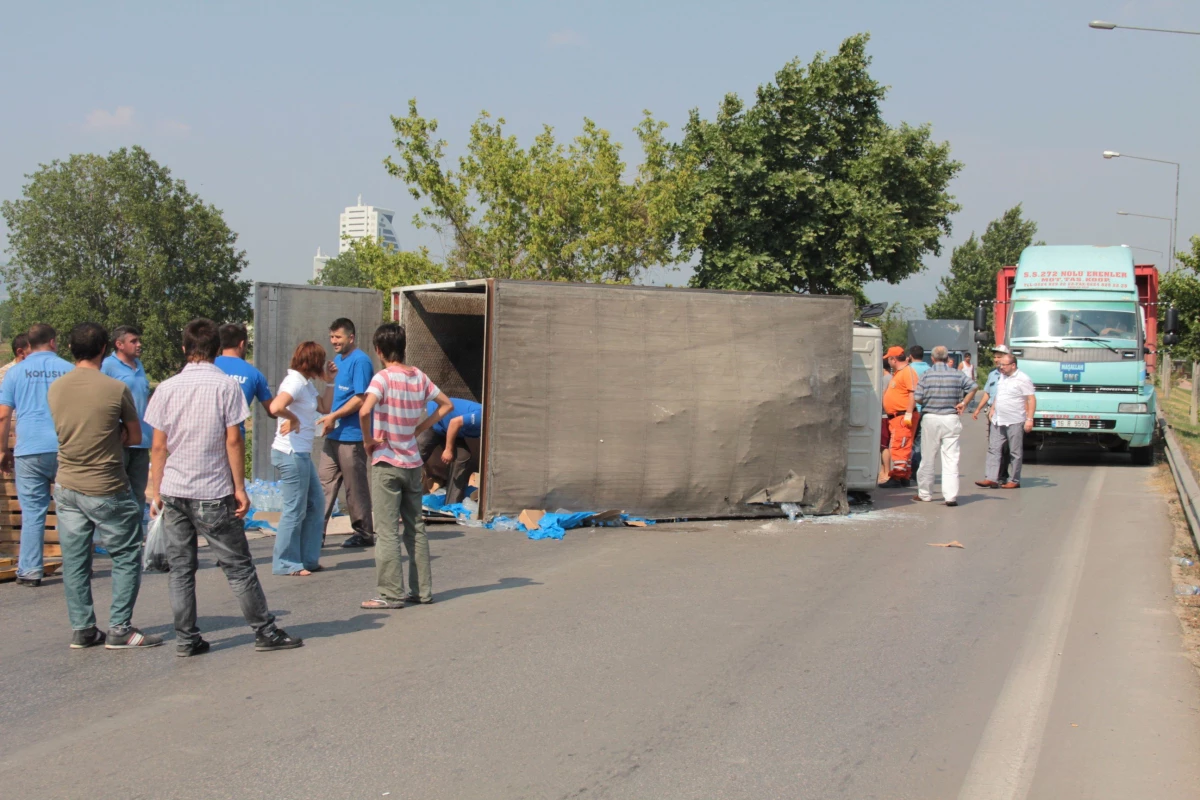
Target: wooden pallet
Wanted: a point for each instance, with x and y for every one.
(9, 573)
(10, 524)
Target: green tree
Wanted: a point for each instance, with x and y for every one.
(893, 325)
(549, 212)
(368, 264)
(1181, 288)
(117, 240)
(810, 190)
(975, 263)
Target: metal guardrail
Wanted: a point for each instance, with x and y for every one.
(1185, 483)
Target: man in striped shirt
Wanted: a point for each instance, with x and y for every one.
(390, 417)
(943, 393)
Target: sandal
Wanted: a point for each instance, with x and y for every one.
(300, 573)
(381, 602)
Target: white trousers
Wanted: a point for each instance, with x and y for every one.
(939, 434)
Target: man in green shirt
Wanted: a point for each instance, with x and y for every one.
(95, 417)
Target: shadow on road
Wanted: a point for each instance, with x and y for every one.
(503, 583)
(312, 630)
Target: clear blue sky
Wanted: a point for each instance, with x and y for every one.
(279, 113)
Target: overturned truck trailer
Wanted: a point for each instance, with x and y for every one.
(664, 403)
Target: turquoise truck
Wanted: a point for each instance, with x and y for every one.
(1082, 322)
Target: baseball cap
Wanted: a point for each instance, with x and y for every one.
(1001, 349)
(897, 352)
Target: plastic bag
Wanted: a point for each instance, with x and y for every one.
(154, 559)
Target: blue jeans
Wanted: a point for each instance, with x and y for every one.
(117, 519)
(302, 523)
(35, 475)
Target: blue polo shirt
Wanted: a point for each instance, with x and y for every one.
(24, 391)
(989, 387)
(353, 377)
(253, 383)
(919, 367)
(139, 386)
(471, 413)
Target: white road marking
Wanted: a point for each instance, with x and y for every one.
(1004, 763)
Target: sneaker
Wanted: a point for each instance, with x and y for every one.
(379, 603)
(277, 640)
(196, 648)
(88, 637)
(130, 637)
(33, 582)
(358, 540)
(951, 503)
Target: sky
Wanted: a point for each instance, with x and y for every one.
(279, 113)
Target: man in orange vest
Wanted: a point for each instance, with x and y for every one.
(901, 422)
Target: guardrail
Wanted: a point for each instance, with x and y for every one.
(1185, 483)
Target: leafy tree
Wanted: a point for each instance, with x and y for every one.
(894, 326)
(975, 263)
(1181, 288)
(809, 190)
(549, 212)
(369, 264)
(117, 240)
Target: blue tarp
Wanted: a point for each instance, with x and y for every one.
(556, 525)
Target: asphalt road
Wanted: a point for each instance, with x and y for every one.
(844, 659)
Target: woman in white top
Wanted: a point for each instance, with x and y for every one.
(297, 405)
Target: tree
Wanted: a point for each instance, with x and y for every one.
(893, 325)
(369, 264)
(549, 212)
(1181, 288)
(117, 240)
(975, 263)
(809, 190)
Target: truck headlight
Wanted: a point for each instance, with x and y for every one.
(1132, 408)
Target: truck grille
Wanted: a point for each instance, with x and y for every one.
(1073, 388)
(1093, 424)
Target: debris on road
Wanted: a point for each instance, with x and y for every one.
(955, 543)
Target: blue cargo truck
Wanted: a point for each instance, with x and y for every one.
(1076, 324)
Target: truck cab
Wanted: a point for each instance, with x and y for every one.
(1077, 328)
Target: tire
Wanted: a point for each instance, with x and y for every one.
(1142, 456)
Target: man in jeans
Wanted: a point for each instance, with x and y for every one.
(197, 465)
(1012, 418)
(943, 393)
(92, 413)
(125, 364)
(23, 394)
(343, 457)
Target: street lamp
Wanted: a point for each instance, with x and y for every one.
(1170, 226)
(1101, 25)
(1111, 154)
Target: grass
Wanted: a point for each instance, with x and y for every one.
(1178, 411)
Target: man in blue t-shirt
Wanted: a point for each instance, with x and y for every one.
(23, 394)
(450, 449)
(125, 364)
(343, 456)
(232, 362)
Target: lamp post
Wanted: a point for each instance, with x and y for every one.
(1111, 154)
(1102, 25)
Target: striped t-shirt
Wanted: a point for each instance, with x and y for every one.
(400, 394)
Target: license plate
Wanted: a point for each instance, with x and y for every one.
(1070, 423)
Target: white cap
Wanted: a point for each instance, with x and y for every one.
(1001, 349)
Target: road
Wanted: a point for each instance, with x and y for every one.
(838, 659)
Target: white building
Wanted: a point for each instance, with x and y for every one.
(319, 263)
(360, 221)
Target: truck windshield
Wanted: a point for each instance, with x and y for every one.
(1044, 321)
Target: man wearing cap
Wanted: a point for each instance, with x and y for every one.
(989, 396)
(901, 421)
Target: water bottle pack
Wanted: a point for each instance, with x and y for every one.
(265, 496)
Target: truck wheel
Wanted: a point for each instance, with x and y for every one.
(1142, 456)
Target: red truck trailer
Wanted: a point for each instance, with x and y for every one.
(1147, 283)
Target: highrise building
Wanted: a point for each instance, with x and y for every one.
(318, 263)
(360, 221)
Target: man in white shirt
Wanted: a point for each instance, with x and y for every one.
(1012, 417)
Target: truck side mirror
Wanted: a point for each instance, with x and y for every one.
(1172, 337)
(982, 334)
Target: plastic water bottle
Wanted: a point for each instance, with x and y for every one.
(1185, 589)
(1181, 561)
(792, 510)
